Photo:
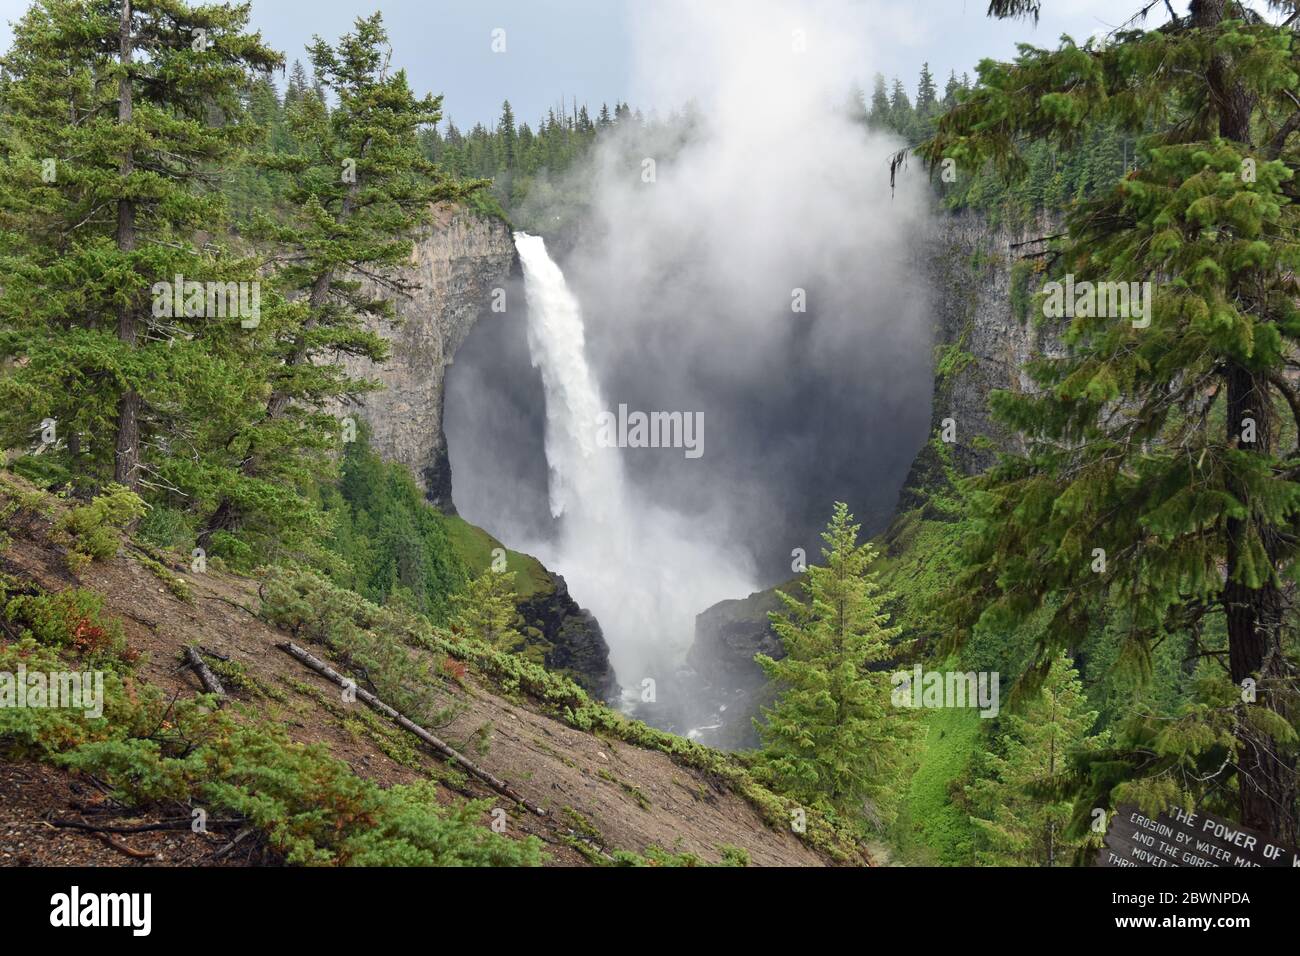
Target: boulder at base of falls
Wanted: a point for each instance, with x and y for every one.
(729, 687)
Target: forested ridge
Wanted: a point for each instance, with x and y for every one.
(534, 160)
(191, 236)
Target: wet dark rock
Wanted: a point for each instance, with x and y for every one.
(577, 645)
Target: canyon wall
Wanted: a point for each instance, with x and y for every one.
(457, 261)
(983, 335)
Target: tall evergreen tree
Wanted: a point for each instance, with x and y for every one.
(1167, 451)
(119, 113)
(900, 108)
(879, 112)
(506, 136)
(298, 83)
(950, 91)
(927, 94)
(833, 738)
(1016, 799)
(360, 186)
(857, 105)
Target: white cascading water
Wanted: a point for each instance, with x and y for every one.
(644, 572)
(586, 480)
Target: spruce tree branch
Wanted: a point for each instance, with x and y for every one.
(1292, 399)
(1278, 142)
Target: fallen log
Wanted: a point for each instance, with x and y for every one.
(210, 681)
(185, 824)
(442, 748)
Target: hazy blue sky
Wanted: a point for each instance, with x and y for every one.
(588, 48)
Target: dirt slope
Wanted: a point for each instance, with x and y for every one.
(612, 795)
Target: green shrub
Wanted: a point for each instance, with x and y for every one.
(93, 531)
(19, 502)
(312, 808)
(166, 527)
(71, 619)
(734, 855)
(46, 471)
(231, 551)
(42, 732)
(654, 856)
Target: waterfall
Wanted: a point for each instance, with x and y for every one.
(645, 572)
(586, 481)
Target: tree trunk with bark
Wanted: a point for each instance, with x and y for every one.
(1255, 621)
(126, 458)
(1255, 616)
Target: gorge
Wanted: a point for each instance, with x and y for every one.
(819, 349)
(455, 359)
(722, 452)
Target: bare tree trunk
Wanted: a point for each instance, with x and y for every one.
(211, 683)
(126, 460)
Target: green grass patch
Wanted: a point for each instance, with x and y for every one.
(475, 548)
(932, 829)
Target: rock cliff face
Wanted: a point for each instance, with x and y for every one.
(983, 336)
(724, 678)
(456, 263)
(576, 643)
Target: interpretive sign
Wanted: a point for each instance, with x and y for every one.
(1177, 838)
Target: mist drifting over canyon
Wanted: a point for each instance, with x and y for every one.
(763, 196)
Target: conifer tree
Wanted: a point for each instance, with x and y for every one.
(900, 108)
(879, 112)
(927, 94)
(298, 84)
(506, 135)
(1161, 469)
(833, 738)
(1016, 798)
(486, 610)
(857, 105)
(360, 187)
(951, 90)
(119, 114)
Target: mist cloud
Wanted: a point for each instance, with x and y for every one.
(762, 186)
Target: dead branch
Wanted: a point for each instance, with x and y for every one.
(211, 683)
(123, 848)
(239, 838)
(138, 828)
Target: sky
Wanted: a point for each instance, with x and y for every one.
(556, 50)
